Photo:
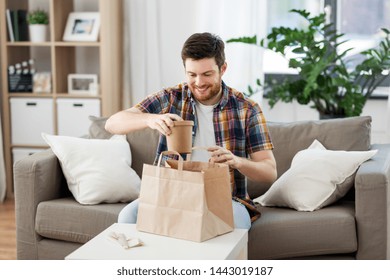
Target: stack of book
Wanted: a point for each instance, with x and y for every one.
(17, 25)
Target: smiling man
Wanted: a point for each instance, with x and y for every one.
(229, 124)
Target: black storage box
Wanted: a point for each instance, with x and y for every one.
(20, 83)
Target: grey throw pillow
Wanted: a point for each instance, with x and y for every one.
(96, 129)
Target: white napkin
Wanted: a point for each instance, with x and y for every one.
(125, 242)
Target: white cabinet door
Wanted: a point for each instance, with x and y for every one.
(29, 118)
(72, 115)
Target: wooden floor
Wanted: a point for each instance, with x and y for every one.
(7, 230)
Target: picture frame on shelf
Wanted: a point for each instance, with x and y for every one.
(82, 27)
(83, 84)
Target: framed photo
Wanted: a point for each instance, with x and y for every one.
(82, 27)
(82, 84)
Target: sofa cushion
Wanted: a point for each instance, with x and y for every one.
(349, 134)
(317, 177)
(284, 233)
(65, 219)
(96, 170)
(143, 143)
(96, 129)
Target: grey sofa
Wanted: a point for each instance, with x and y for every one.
(51, 224)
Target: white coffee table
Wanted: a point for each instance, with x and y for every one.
(232, 245)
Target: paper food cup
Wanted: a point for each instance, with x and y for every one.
(180, 140)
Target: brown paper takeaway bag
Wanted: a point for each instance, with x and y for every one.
(188, 200)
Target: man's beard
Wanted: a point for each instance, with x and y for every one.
(212, 92)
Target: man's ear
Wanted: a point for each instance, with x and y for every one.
(223, 68)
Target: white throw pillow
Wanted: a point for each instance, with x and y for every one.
(96, 170)
(317, 177)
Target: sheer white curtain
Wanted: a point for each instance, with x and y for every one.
(155, 30)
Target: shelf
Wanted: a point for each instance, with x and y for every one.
(67, 95)
(77, 44)
(31, 94)
(51, 95)
(48, 44)
(28, 44)
(30, 146)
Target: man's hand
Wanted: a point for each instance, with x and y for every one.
(162, 123)
(222, 155)
(261, 167)
(133, 119)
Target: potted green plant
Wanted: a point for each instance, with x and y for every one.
(38, 21)
(325, 80)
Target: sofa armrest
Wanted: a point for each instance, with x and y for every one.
(36, 178)
(372, 186)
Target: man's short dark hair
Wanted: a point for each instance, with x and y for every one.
(204, 45)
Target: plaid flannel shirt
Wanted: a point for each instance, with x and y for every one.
(239, 125)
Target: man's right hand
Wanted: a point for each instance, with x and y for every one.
(133, 119)
(163, 123)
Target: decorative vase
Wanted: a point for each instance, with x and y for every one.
(38, 32)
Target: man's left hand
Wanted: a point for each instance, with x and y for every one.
(222, 155)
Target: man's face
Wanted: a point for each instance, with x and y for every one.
(204, 79)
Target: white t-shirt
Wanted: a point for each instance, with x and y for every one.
(205, 136)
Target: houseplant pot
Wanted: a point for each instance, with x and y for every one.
(38, 32)
(325, 80)
(38, 21)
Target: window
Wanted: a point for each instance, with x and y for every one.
(278, 15)
(360, 20)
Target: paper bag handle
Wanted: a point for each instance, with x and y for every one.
(180, 167)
